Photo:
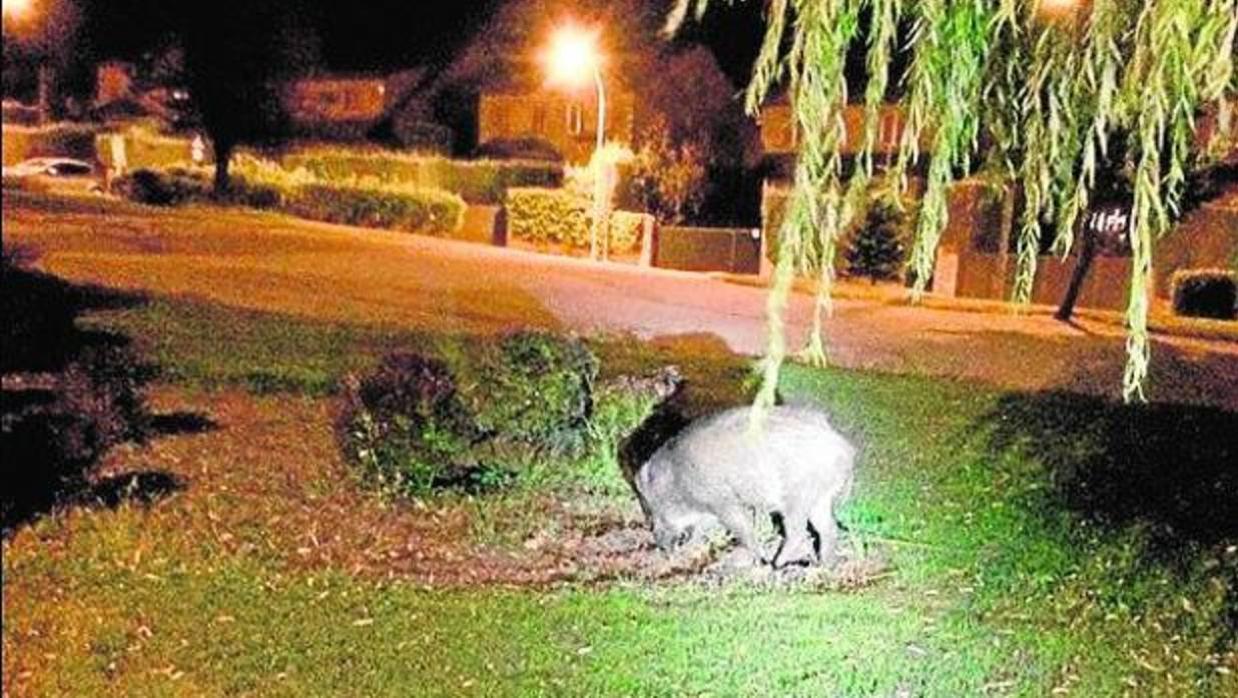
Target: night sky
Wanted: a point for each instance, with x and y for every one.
(384, 35)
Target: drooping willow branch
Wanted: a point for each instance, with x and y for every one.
(1048, 89)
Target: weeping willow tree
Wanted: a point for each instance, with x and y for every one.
(1049, 82)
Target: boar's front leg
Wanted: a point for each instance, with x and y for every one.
(737, 520)
(795, 543)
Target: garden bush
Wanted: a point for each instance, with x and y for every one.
(1207, 293)
(547, 216)
(53, 437)
(530, 387)
(163, 188)
(557, 216)
(404, 425)
(417, 424)
(181, 185)
(427, 211)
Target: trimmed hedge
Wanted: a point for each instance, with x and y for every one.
(547, 216)
(369, 204)
(476, 181)
(556, 216)
(425, 211)
(1207, 293)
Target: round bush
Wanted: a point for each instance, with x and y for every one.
(534, 388)
(404, 424)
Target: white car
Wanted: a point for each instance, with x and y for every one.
(61, 174)
(50, 167)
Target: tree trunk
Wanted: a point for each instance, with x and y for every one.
(223, 157)
(1086, 255)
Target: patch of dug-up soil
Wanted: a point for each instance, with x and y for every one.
(624, 552)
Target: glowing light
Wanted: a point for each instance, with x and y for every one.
(1054, 8)
(573, 57)
(16, 8)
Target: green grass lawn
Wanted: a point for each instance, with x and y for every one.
(1033, 543)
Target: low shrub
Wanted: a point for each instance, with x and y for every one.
(404, 425)
(626, 230)
(417, 424)
(1207, 293)
(163, 188)
(53, 437)
(547, 216)
(530, 387)
(557, 216)
(180, 185)
(427, 211)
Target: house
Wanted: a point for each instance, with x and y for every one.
(350, 106)
(316, 101)
(565, 120)
(779, 135)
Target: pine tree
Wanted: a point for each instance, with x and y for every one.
(876, 252)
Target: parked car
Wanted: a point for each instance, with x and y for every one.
(51, 167)
(60, 173)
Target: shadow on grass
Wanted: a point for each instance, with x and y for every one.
(70, 395)
(40, 310)
(143, 487)
(1170, 467)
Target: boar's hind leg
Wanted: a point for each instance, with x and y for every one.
(826, 527)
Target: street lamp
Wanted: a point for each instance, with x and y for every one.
(16, 8)
(1057, 9)
(572, 60)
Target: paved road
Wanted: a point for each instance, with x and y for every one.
(272, 262)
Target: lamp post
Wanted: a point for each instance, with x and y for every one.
(572, 58)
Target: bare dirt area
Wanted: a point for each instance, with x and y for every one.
(236, 474)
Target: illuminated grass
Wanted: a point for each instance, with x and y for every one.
(1000, 583)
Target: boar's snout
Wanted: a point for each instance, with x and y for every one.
(667, 538)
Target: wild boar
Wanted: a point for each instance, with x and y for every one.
(797, 466)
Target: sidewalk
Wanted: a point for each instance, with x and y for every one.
(1161, 322)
